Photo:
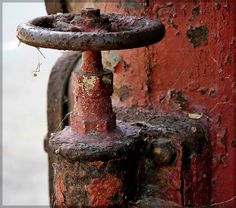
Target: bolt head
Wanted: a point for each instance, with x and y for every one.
(163, 152)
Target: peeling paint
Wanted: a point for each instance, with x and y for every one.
(102, 189)
(112, 60)
(196, 10)
(198, 35)
(175, 98)
(89, 82)
(123, 92)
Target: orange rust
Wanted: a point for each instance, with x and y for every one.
(205, 73)
(97, 164)
(92, 90)
(102, 189)
(59, 189)
(91, 61)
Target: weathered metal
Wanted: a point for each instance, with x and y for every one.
(94, 170)
(90, 158)
(191, 71)
(93, 88)
(175, 159)
(169, 136)
(74, 32)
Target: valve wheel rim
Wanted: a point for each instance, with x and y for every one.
(140, 35)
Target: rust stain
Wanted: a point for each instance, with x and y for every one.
(59, 189)
(102, 189)
(97, 164)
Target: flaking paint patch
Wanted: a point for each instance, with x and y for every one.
(59, 189)
(196, 10)
(89, 82)
(123, 92)
(198, 35)
(102, 189)
(111, 59)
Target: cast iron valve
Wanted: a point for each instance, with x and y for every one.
(85, 154)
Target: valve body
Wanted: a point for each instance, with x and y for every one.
(93, 160)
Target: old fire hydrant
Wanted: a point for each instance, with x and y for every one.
(94, 160)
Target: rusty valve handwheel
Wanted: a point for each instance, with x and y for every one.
(93, 138)
(90, 31)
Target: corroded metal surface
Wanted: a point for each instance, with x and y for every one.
(161, 129)
(205, 47)
(73, 32)
(72, 145)
(183, 165)
(92, 90)
(95, 171)
(191, 71)
(93, 135)
(182, 168)
(157, 130)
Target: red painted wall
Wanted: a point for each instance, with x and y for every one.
(192, 70)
